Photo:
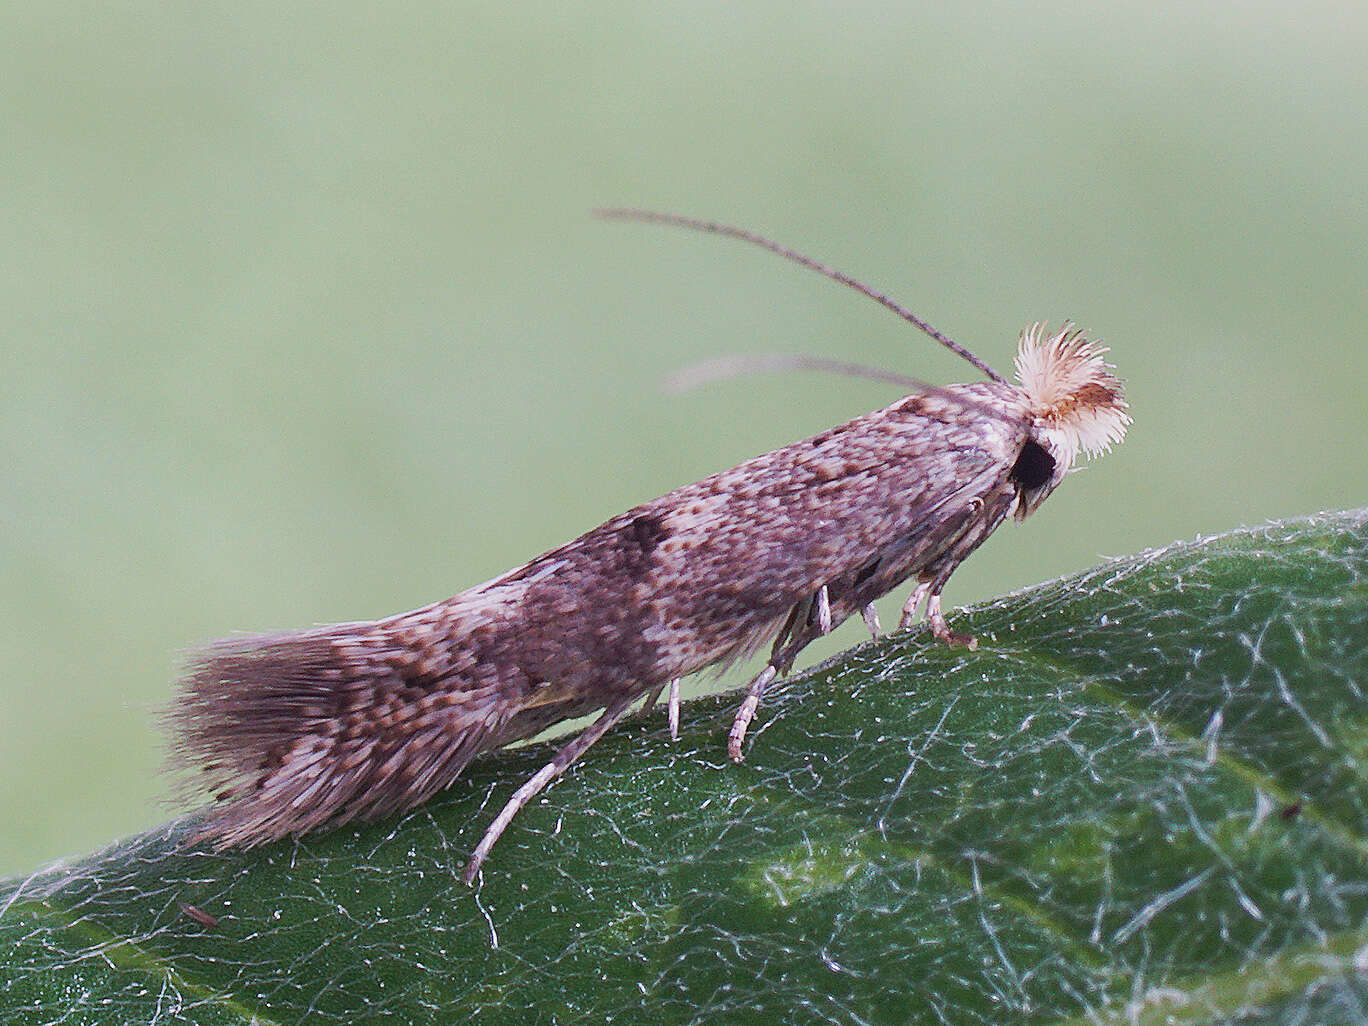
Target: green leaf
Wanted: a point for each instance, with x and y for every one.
(1141, 800)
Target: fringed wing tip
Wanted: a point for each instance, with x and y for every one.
(296, 732)
(229, 723)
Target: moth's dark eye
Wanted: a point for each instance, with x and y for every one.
(1033, 468)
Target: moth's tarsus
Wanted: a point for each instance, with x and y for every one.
(672, 706)
(942, 630)
(301, 731)
(754, 692)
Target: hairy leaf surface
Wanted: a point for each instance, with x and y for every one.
(1141, 800)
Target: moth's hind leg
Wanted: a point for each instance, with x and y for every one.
(558, 765)
(809, 619)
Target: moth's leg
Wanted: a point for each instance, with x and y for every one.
(931, 592)
(674, 709)
(941, 629)
(563, 759)
(909, 609)
(822, 607)
(807, 620)
(747, 711)
(871, 619)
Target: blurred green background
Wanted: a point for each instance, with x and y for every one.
(306, 319)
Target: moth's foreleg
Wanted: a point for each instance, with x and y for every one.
(558, 765)
(931, 592)
(909, 609)
(942, 630)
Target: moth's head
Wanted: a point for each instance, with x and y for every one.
(1075, 405)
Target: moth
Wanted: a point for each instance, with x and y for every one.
(292, 732)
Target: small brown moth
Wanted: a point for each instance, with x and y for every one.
(297, 731)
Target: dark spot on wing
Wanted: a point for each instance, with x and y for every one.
(648, 531)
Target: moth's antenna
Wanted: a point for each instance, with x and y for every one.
(706, 371)
(714, 228)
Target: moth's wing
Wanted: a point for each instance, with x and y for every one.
(710, 571)
(296, 730)
(293, 731)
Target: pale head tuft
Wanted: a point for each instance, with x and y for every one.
(1071, 391)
